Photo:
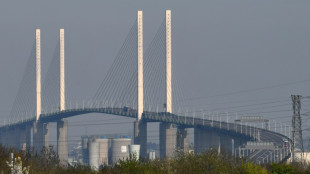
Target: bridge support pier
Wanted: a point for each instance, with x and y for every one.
(200, 140)
(167, 139)
(22, 141)
(28, 136)
(10, 137)
(140, 136)
(45, 135)
(1, 137)
(37, 136)
(226, 144)
(239, 142)
(4, 137)
(205, 140)
(62, 140)
(40, 136)
(15, 137)
(182, 139)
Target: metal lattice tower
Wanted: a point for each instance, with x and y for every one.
(296, 127)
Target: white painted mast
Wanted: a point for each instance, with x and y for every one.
(140, 64)
(168, 62)
(62, 70)
(38, 73)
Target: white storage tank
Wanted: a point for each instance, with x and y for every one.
(85, 149)
(134, 150)
(103, 150)
(93, 151)
(152, 155)
(120, 149)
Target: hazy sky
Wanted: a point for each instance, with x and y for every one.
(231, 55)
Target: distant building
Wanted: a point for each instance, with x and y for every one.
(99, 150)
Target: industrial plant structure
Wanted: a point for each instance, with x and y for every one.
(101, 150)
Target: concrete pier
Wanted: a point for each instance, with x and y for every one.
(1, 137)
(37, 136)
(62, 140)
(140, 136)
(200, 140)
(40, 136)
(15, 137)
(46, 135)
(22, 142)
(167, 139)
(182, 139)
(10, 137)
(226, 144)
(4, 137)
(205, 140)
(28, 136)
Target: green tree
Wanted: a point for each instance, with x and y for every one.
(250, 168)
(282, 169)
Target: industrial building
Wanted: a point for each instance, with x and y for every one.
(102, 150)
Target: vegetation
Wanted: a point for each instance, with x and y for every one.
(47, 162)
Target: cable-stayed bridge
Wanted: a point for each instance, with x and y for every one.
(139, 85)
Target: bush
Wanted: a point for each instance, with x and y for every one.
(47, 162)
(282, 169)
(250, 168)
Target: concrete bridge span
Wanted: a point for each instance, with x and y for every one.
(208, 134)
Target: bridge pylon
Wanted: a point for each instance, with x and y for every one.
(62, 125)
(140, 126)
(40, 130)
(167, 131)
(38, 73)
(140, 63)
(168, 62)
(62, 69)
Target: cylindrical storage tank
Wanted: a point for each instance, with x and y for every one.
(134, 150)
(85, 149)
(93, 150)
(120, 149)
(84, 142)
(152, 155)
(103, 151)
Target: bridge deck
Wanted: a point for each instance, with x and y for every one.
(233, 129)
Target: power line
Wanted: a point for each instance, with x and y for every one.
(250, 90)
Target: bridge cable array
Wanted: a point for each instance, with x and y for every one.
(116, 88)
(51, 84)
(119, 87)
(24, 103)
